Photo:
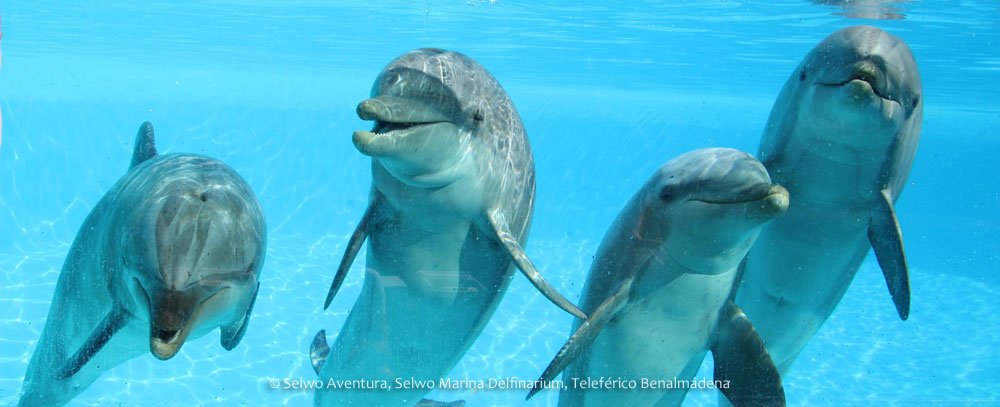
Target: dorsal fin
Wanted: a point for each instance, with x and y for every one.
(145, 146)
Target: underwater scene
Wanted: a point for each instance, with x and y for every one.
(499, 203)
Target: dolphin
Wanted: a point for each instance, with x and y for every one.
(453, 189)
(171, 252)
(841, 138)
(658, 291)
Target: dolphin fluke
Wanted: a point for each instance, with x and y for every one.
(887, 241)
(743, 362)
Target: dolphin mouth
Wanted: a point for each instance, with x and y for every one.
(395, 118)
(867, 75)
(395, 129)
(754, 193)
(168, 345)
(163, 335)
(170, 327)
(866, 81)
(393, 114)
(384, 127)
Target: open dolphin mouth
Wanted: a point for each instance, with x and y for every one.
(387, 127)
(163, 335)
(382, 127)
(393, 113)
(395, 118)
(170, 319)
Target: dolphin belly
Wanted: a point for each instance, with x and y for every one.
(662, 337)
(423, 303)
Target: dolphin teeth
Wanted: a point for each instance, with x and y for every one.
(382, 127)
(165, 335)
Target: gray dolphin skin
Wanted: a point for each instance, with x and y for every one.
(453, 189)
(657, 293)
(171, 252)
(841, 138)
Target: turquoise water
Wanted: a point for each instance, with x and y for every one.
(607, 92)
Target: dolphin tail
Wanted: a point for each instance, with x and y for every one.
(145, 146)
(584, 335)
(502, 233)
(353, 247)
(742, 361)
(887, 241)
(112, 323)
(233, 334)
(318, 351)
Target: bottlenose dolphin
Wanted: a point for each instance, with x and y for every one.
(841, 138)
(453, 189)
(171, 252)
(657, 293)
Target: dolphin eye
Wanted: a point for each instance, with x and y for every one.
(477, 117)
(802, 75)
(914, 102)
(666, 195)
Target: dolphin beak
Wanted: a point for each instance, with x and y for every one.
(394, 109)
(395, 118)
(172, 315)
(771, 205)
(867, 78)
(164, 343)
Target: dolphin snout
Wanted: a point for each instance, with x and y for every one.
(172, 312)
(868, 77)
(372, 109)
(773, 204)
(395, 109)
(868, 72)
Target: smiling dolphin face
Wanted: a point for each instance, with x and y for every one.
(856, 98)
(428, 105)
(710, 205)
(195, 253)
